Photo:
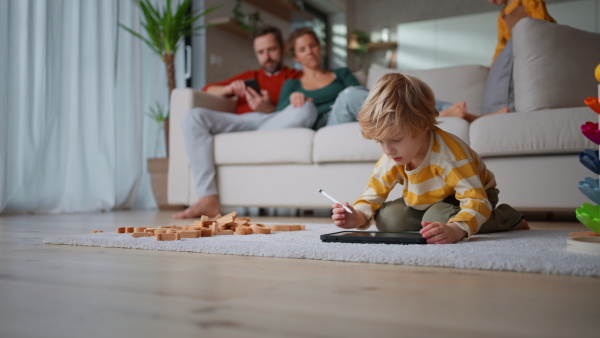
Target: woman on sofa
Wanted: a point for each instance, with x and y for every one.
(318, 85)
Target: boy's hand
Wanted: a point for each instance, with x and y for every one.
(440, 233)
(346, 220)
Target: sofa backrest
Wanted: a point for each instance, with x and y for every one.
(553, 65)
(452, 84)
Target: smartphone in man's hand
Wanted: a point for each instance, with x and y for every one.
(252, 83)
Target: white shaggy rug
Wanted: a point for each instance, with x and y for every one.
(537, 251)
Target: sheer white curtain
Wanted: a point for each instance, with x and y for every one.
(75, 88)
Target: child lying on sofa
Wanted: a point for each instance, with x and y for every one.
(449, 194)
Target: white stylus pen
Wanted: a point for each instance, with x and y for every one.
(334, 200)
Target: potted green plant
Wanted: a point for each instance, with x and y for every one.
(164, 32)
(165, 29)
(359, 41)
(249, 22)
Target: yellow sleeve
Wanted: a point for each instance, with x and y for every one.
(469, 191)
(503, 36)
(383, 179)
(537, 10)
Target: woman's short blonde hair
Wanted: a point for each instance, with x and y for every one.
(397, 103)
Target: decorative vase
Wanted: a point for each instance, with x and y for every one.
(159, 169)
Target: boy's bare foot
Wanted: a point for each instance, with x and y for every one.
(457, 110)
(207, 205)
(500, 111)
(523, 225)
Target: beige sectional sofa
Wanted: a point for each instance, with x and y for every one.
(533, 152)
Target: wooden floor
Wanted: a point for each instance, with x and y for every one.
(65, 291)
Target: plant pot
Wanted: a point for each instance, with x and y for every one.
(159, 169)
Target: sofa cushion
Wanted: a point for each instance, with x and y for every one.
(345, 143)
(456, 126)
(452, 84)
(553, 65)
(555, 131)
(499, 88)
(281, 146)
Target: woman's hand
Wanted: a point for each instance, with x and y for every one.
(297, 99)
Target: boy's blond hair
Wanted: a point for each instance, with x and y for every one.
(397, 103)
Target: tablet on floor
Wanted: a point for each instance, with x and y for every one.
(406, 237)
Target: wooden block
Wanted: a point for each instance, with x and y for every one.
(240, 221)
(187, 227)
(229, 218)
(159, 231)
(259, 228)
(121, 230)
(199, 225)
(150, 230)
(214, 228)
(166, 227)
(582, 233)
(247, 219)
(228, 226)
(96, 231)
(232, 214)
(141, 234)
(302, 227)
(129, 230)
(139, 229)
(205, 233)
(296, 227)
(172, 231)
(243, 230)
(203, 218)
(281, 227)
(225, 232)
(177, 227)
(188, 234)
(168, 237)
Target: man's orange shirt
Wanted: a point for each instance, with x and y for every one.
(270, 82)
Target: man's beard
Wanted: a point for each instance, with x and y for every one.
(271, 66)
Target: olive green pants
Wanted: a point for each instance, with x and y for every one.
(397, 216)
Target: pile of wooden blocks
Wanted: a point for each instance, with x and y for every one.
(205, 227)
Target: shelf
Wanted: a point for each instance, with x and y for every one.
(230, 25)
(378, 45)
(281, 9)
(382, 45)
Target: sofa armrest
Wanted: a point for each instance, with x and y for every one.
(180, 190)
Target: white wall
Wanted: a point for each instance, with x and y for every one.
(471, 39)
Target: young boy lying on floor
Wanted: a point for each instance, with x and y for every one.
(448, 192)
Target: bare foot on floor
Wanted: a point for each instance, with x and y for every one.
(207, 205)
(501, 111)
(457, 110)
(523, 225)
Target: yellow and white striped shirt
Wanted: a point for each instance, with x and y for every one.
(450, 167)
